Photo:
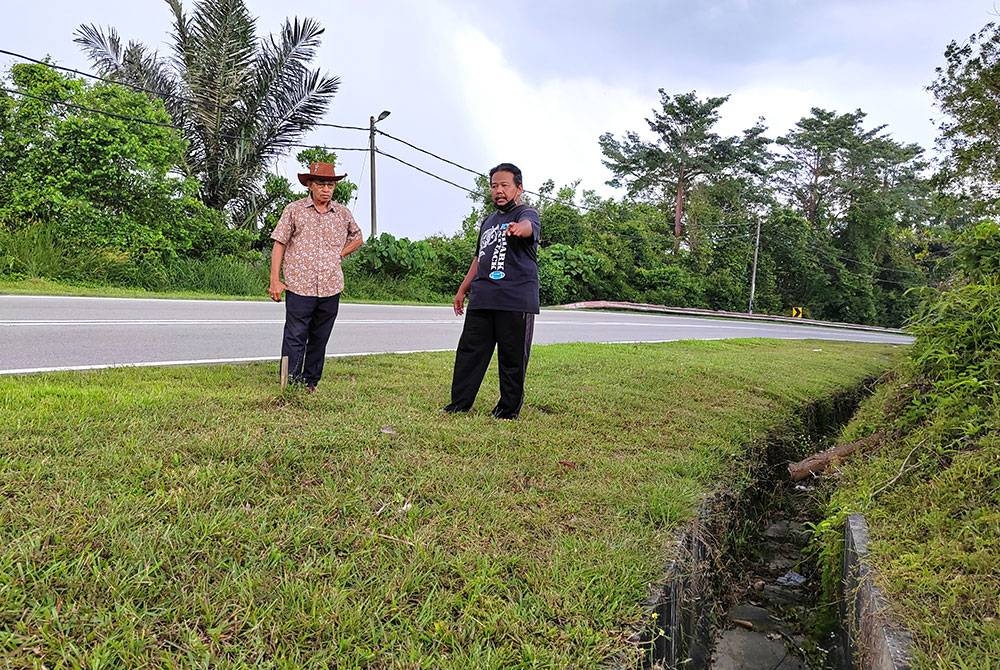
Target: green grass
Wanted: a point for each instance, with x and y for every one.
(932, 504)
(360, 289)
(198, 517)
(40, 286)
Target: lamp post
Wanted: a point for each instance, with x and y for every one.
(753, 272)
(371, 150)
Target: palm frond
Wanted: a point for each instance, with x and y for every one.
(282, 61)
(296, 109)
(104, 51)
(181, 37)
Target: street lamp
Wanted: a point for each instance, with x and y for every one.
(371, 150)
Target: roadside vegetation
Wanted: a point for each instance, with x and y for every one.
(930, 489)
(198, 516)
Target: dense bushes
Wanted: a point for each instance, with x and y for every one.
(956, 356)
(96, 196)
(392, 257)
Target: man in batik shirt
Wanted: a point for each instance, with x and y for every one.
(311, 239)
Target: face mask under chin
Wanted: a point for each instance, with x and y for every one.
(507, 206)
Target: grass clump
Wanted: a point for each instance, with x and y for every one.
(197, 516)
(931, 490)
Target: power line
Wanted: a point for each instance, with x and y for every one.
(430, 174)
(477, 173)
(430, 153)
(90, 75)
(335, 125)
(90, 109)
(448, 181)
(872, 266)
(160, 124)
(328, 148)
(829, 266)
(734, 238)
(364, 163)
(136, 87)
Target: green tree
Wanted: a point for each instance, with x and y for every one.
(239, 102)
(789, 252)
(101, 179)
(722, 221)
(482, 206)
(967, 90)
(864, 198)
(561, 221)
(813, 155)
(685, 150)
(630, 242)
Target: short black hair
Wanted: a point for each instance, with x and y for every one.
(508, 167)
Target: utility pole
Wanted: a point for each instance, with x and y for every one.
(371, 150)
(753, 272)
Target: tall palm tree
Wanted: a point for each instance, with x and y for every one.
(239, 101)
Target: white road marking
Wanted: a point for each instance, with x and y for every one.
(362, 322)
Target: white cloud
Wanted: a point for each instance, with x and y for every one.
(784, 92)
(549, 128)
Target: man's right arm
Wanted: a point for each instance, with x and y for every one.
(277, 287)
(463, 290)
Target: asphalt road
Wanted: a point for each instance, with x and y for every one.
(47, 333)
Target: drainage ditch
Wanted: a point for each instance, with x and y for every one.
(742, 591)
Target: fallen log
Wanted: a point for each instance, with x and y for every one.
(818, 462)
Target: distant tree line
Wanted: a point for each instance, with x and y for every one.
(160, 183)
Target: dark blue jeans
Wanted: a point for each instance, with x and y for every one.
(308, 324)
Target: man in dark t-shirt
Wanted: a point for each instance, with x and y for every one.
(502, 287)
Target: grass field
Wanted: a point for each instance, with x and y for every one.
(360, 288)
(49, 287)
(198, 517)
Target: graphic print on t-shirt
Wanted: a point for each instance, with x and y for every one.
(495, 236)
(507, 267)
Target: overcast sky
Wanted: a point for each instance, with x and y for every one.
(536, 82)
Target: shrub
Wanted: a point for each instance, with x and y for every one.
(385, 255)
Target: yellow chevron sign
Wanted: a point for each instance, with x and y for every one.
(797, 312)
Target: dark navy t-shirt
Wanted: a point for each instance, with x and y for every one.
(508, 266)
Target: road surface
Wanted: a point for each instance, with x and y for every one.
(45, 333)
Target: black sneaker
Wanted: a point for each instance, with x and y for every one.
(452, 409)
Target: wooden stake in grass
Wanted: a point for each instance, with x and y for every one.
(284, 372)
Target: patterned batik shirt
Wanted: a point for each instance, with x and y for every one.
(314, 241)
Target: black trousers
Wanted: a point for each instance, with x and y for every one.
(485, 329)
(308, 324)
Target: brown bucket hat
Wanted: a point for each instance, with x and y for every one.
(322, 171)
